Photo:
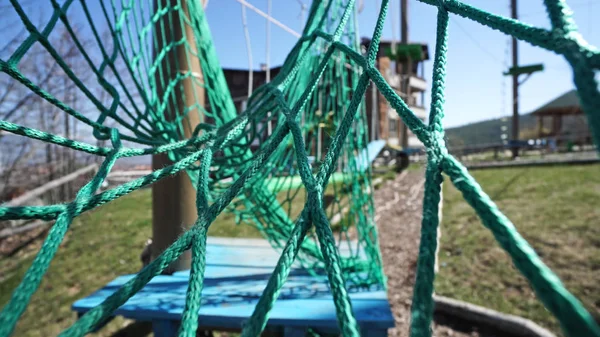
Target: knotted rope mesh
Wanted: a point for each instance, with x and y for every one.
(321, 83)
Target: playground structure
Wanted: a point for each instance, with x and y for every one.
(323, 80)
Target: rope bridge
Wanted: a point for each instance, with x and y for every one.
(322, 82)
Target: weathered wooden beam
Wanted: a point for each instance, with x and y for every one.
(174, 198)
(8, 232)
(49, 186)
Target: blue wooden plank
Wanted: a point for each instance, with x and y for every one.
(232, 289)
(248, 254)
(232, 312)
(220, 250)
(304, 301)
(237, 242)
(237, 272)
(367, 155)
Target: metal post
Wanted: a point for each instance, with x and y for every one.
(515, 85)
(321, 115)
(404, 21)
(406, 67)
(174, 198)
(268, 62)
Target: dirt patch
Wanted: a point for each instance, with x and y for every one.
(398, 205)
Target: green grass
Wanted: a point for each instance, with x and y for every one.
(100, 245)
(555, 209)
(503, 155)
(416, 166)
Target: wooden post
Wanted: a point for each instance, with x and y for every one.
(404, 21)
(515, 85)
(406, 68)
(383, 64)
(174, 198)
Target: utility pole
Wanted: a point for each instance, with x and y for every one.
(174, 197)
(268, 62)
(515, 85)
(406, 66)
(515, 71)
(404, 21)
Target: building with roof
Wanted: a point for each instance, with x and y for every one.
(383, 120)
(409, 84)
(563, 120)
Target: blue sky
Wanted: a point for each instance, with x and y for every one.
(476, 53)
(476, 88)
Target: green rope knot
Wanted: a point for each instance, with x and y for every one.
(571, 46)
(115, 138)
(315, 197)
(442, 5)
(101, 134)
(290, 119)
(314, 190)
(203, 127)
(436, 146)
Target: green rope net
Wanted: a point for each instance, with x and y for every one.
(240, 164)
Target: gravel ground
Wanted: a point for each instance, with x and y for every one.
(398, 206)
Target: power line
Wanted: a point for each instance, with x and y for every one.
(475, 41)
(284, 27)
(393, 22)
(574, 5)
(302, 10)
(489, 53)
(248, 50)
(268, 17)
(268, 44)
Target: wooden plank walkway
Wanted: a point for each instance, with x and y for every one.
(236, 274)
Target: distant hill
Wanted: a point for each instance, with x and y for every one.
(486, 132)
(490, 131)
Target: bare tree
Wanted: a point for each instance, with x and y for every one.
(21, 105)
(87, 95)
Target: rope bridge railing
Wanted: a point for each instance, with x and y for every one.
(309, 82)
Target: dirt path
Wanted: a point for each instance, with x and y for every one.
(398, 216)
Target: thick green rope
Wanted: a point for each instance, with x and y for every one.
(312, 81)
(422, 308)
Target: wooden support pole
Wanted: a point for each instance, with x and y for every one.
(174, 198)
(515, 85)
(404, 21)
(383, 64)
(406, 69)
